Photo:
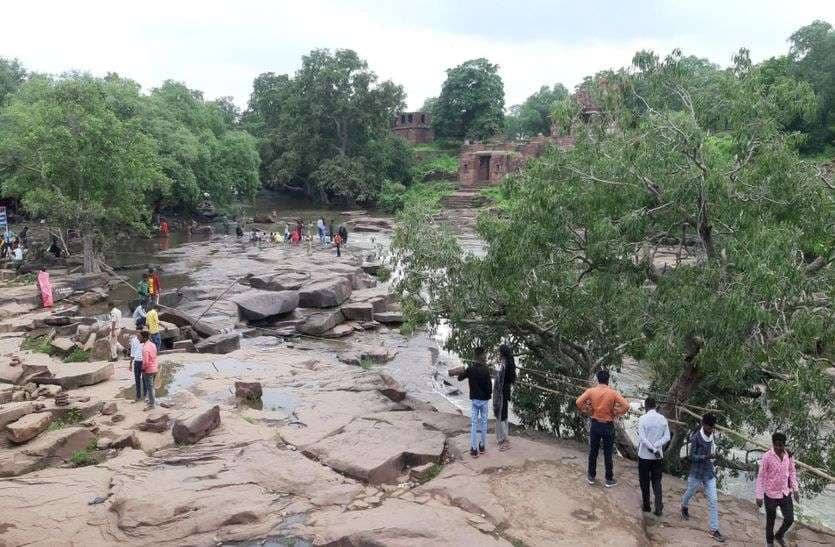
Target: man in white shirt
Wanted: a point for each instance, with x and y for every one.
(139, 316)
(115, 329)
(653, 434)
(136, 364)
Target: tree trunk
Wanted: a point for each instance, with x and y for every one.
(679, 392)
(90, 265)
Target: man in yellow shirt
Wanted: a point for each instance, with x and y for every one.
(152, 322)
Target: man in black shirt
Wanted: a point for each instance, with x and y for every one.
(481, 389)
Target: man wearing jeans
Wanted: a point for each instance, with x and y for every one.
(701, 453)
(481, 390)
(604, 405)
(776, 482)
(149, 368)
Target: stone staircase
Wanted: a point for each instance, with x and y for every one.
(464, 200)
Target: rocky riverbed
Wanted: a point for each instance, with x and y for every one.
(350, 442)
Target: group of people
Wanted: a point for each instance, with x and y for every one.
(13, 246)
(299, 234)
(146, 344)
(776, 481)
(776, 485)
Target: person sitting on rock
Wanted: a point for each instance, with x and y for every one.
(481, 390)
(139, 316)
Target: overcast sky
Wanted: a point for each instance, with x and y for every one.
(219, 47)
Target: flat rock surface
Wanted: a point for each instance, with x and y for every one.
(75, 375)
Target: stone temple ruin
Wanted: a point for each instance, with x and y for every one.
(485, 164)
(415, 127)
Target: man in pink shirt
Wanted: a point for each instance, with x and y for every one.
(776, 482)
(149, 367)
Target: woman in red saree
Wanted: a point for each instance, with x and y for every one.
(45, 287)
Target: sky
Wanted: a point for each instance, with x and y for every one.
(219, 47)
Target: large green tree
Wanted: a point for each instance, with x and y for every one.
(534, 115)
(12, 74)
(318, 128)
(706, 254)
(471, 103)
(812, 55)
(73, 150)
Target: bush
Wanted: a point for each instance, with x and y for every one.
(441, 166)
(77, 356)
(395, 197)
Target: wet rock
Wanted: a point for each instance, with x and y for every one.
(339, 331)
(183, 319)
(377, 450)
(250, 391)
(76, 375)
(392, 389)
(320, 322)
(255, 304)
(109, 408)
(327, 293)
(50, 448)
(375, 355)
(11, 412)
(358, 311)
(219, 343)
(195, 426)
(389, 317)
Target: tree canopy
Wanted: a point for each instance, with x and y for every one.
(534, 115)
(471, 103)
(12, 74)
(705, 253)
(321, 128)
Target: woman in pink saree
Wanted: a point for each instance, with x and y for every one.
(45, 288)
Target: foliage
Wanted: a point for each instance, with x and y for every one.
(71, 418)
(37, 344)
(332, 117)
(533, 117)
(572, 276)
(471, 104)
(77, 355)
(394, 196)
(82, 458)
(439, 165)
(12, 75)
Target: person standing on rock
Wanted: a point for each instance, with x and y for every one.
(136, 363)
(481, 390)
(152, 321)
(653, 434)
(343, 233)
(702, 452)
(320, 226)
(139, 316)
(142, 289)
(337, 242)
(149, 369)
(115, 329)
(776, 483)
(154, 274)
(505, 378)
(603, 405)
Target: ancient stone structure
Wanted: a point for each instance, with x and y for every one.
(415, 127)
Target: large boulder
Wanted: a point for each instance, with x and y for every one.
(195, 426)
(28, 427)
(389, 317)
(326, 293)
(358, 311)
(76, 375)
(219, 343)
(11, 412)
(62, 346)
(284, 281)
(50, 448)
(320, 322)
(254, 304)
(391, 388)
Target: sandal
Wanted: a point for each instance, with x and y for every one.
(504, 447)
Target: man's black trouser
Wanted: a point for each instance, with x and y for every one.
(605, 432)
(786, 508)
(649, 472)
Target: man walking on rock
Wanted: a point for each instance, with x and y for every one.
(702, 452)
(603, 405)
(653, 434)
(481, 390)
(776, 483)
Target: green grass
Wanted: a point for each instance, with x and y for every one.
(434, 472)
(73, 417)
(366, 364)
(80, 458)
(77, 355)
(394, 196)
(439, 167)
(37, 344)
(440, 145)
(383, 273)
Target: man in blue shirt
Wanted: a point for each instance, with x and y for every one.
(653, 434)
(701, 453)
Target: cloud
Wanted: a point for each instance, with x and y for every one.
(219, 47)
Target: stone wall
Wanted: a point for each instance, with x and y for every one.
(415, 127)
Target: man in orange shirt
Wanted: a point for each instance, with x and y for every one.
(604, 405)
